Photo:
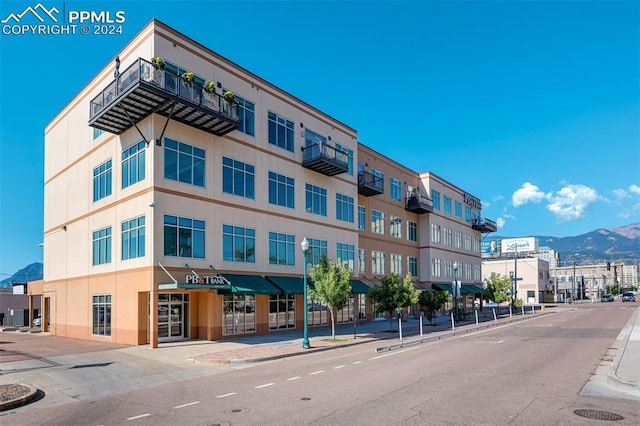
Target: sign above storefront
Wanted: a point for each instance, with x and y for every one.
(208, 281)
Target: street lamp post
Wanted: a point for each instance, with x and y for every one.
(455, 289)
(305, 337)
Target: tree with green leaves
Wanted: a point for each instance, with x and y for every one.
(392, 295)
(432, 300)
(499, 288)
(332, 287)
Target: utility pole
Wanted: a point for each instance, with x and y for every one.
(573, 284)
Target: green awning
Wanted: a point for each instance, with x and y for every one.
(358, 287)
(442, 287)
(289, 285)
(249, 284)
(472, 289)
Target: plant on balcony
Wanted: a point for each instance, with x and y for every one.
(209, 87)
(188, 77)
(229, 96)
(157, 62)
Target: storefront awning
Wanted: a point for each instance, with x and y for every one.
(289, 285)
(441, 287)
(358, 287)
(249, 284)
(472, 289)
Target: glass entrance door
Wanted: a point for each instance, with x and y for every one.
(172, 314)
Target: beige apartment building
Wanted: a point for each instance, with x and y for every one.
(533, 280)
(178, 191)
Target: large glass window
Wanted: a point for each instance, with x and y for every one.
(412, 266)
(318, 313)
(102, 180)
(282, 311)
(184, 163)
(362, 261)
(447, 204)
(133, 236)
(458, 207)
(102, 246)
(317, 249)
(349, 153)
(281, 131)
(395, 228)
(362, 218)
(238, 244)
(97, 133)
(395, 189)
(377, 262)
(412, 231)
(238, 178)
(281, 190)
(467, 213)
(246, 116)
(436, 233)
(101, 307)
(396, 264)
(436, 270)
(377, 222)
(435, 197)
(184, 237)
(238, 314)
(316, 200)
(348, 312)
(344, 208)
(282, 248)
(133, 164)
(345, 254)
(448, 237)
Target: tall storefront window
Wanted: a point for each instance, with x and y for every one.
(282, 311)
(238, 314)
(102, 315)
(318, 313)
(347, 313)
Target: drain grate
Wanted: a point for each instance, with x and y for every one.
(598, 415)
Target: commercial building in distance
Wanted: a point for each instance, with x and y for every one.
(177, 193)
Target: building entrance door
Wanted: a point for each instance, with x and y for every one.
(172, 316)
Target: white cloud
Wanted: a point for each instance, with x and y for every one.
(620, 194)
(501, 222)
(527, 193)
(571, 202)
(628, 200)
(634, 189)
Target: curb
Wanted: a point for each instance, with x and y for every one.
(31, 395)
(620, 346)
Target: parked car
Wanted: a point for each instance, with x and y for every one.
(628, 297)
(607, 298)
(37, 322)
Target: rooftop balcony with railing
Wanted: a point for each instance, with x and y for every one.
(370, 184)
(143, 89)
(324, 158)
(484, 225)
(418, 203)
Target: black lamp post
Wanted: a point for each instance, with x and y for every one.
(455, 289)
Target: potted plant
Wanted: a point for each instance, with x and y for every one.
(188, 77)
(229, 96)
(209, 87)
(157, 62)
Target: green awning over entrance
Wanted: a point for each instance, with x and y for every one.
(289, 285)
(358, 287)
(472, 289)
(442, 287)
(249, 284)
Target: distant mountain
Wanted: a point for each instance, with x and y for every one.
(28, 273)
(619, 244)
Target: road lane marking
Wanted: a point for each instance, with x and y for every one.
(264, 386)
(493, 343)
(293, 378)
(357, 362)
(139, 417)
(226, 395)
(316, 372)
(187, 404)
(338, 366)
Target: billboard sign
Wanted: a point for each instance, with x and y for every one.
(519, 245)
(489, 248)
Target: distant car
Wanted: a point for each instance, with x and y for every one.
(628, 297)
(37, 322)
(607, 298)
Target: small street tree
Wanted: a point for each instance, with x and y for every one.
(432, 300)
(393, 295)
(332, 282)
(499, 288)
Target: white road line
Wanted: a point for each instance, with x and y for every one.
(338, 366)
(187, 405)
(293, 378)
(357, 362)
(316, 372)
(493, 343)
(264, 386)
(139, 417)
(226, 395)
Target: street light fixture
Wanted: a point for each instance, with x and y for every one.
(305, 337)
(455, 289)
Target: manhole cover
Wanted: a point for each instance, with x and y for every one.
(304, 398)
(598, 415)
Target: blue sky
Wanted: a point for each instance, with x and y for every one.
(533, 107)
